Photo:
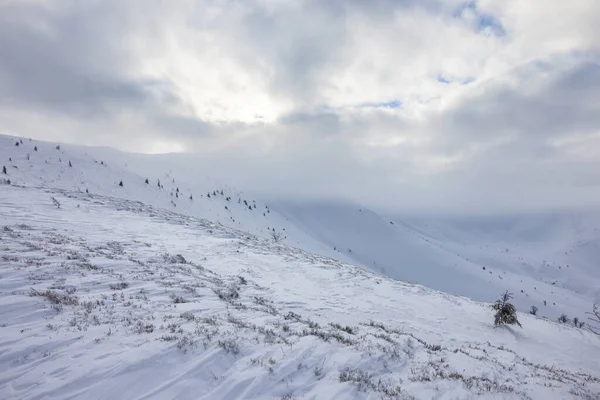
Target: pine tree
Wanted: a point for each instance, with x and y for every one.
(70, 165)
(35, 148)
(506, 314)
(4, 170)
(147, 181)
(191, 198)
(121, 183)
(17, 144)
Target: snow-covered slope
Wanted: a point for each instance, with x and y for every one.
(110, 298)
(101, 170)
(546, 261)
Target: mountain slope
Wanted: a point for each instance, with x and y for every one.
(546, 262)
(106, 297)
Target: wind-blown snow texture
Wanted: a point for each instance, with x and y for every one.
(120, 293)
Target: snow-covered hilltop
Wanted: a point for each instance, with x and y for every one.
(137, 291)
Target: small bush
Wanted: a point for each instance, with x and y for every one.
(595, 318)
(178, 299)
(55, 297)
(230, 346)
(56, 202)
(533, 310)
(276, 236)
(141, 327)
(563, 319)
(119, 286)
(188, 316)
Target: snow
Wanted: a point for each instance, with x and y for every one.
(548, 261)
(118, 293)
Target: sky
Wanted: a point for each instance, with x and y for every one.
(487, 106)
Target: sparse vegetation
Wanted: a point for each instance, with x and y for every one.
(595, 318)
(230, 346)
(56, 202)
(533, 310)
(276, 236)
(563, 319)
(55, 297)
(119, 286)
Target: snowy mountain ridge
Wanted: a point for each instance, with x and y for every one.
(107, 295)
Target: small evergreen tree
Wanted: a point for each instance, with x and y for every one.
(191, 198)
(17, 144)
(4, 170)
(121, 183)
(147, 182)
(57, 147)
(506, 314)
(35, 148)
(70, 165)
(533, 310)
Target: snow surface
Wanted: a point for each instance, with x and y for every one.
(129, 292)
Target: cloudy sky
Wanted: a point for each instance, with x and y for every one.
(414, 104)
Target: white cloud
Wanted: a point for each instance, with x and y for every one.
(445, 105)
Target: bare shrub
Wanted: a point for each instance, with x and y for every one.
(55, 297)
(230, 346)
(533, 310)
(56, 202)
(119, 286)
